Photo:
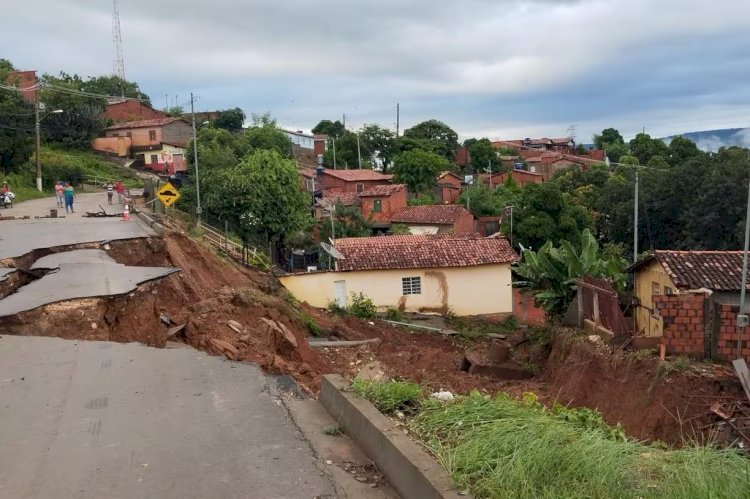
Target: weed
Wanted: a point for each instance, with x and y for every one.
(676, 365)
(643, 354)
(394, 314)
(332, 430)
(532, 367)
(540, 335)
(501, 447)
(311, 325)
(335, 308)
(388, 396)
(196, 232)
(362, 306)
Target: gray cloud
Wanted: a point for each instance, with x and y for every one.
(488, 67)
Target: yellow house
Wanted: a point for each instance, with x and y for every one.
(668, 272)
(466, 274)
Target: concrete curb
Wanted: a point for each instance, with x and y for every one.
(156, 226)
(410, 470)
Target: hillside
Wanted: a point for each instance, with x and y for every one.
(713, 140)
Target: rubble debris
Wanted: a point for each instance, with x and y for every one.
(235, 326)
(226, 348)
(176, 330)
(372, 371)
(496, 363)
(335, 344)
(443, 396)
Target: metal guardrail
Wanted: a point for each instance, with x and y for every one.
(243, 254)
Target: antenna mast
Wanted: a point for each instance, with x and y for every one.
(118, 65)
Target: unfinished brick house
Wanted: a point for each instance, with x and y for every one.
(691, 300)
(379, 203)
(351, 180)
(123, 110)
(436, 219)
(447, 188)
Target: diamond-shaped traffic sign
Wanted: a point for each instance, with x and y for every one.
(168, 194)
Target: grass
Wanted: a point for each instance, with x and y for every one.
(476, 327)
(672, 366)
(391, 396)
(332, 430)
(394, 314)
(66, 164)
(23, 185)
(312, 326)
(497, 447)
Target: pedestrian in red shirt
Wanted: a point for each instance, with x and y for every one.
(120, 189)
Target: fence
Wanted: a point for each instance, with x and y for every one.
(598, 302)
(246, 255)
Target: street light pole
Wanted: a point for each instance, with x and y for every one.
(359, 153)
(195, 161)
(38, 142)
(742, 319)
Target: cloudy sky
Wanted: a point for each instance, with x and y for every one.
(495, 68)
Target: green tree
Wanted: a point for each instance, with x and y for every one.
(419, 169)
(16, 131)
(444, 138)
(615, 152)
(550, 272)
(230, 119)
(330, 128)
(264, 134)
(657, 162)
(544, 213)
(483, 155)
(485, 202)
(261, 195)
(629, 160)
(348, 222)
(380, 144)
(175, 111)
(82, 118)
(114, 86)
(644, 148)
(607, 137)
(682, 150)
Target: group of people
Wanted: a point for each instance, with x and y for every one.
(64, 194)
(118, 187)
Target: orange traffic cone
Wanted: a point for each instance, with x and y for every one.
(126, 213)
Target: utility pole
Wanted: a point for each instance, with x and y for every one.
(334, 152)
(195, 161)
(344, 122)
(38, 142)
(742, 319)
(398, 117)
(635, 210)
(359, 152)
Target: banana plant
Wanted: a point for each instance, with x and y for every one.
(550, 273)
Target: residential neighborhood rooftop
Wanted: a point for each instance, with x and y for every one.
(357, 175)
(415, 252)
(714, 270)
(143, 123)
(382, 190)
(440, 214)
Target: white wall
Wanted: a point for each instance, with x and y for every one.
(479, 290)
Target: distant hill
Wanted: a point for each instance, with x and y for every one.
(712, 140)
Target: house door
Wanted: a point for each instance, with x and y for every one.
(339, 293)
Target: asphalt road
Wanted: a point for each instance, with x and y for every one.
(97, 419)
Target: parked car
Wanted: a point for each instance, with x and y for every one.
(177, 178)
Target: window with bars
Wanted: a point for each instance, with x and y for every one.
(412, 285)
(377, 206)
(152, 135)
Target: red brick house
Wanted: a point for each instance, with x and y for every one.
(379, 203)
(351, 180)
(436, 219)
(123, 110)
(24, 81)
(447, 188)
(691, 300)
(521, 177)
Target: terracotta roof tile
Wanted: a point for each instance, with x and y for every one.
(343, 198)
(440, 214)
(144, 123)
(419, 252)
(714, 270)
(358, 175)
(382, 190)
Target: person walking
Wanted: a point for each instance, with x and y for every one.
(120, 189)
(110, 192)
(59, 193)
(70, 196)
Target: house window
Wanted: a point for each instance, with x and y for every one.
(154, 158)
(377, 206)
(360, 187)
(152, 135)
(668, 290)
(655, 289)
(412, 285)
(128, 134)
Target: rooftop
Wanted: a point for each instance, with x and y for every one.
(419, 252)
(382, 190)
(440, 214)
(714, 270)
(357, 175)
(343, 198)
(143, 123)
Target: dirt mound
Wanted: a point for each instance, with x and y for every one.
(630, 389)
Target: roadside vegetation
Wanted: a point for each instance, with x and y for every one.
(498, 446)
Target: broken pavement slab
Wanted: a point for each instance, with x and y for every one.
(5, 273)
(82, 274)
(19, 237)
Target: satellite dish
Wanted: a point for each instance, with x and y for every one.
(331, 250)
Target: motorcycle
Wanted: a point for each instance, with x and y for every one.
(6, 199)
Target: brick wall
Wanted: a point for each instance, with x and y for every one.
(389, 205)
(729, 334)
(132, 110)
(178, 133)
(23, 79)
(464, 224)
(683, 323)
(334, 184)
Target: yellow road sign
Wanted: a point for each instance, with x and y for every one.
(168, 194)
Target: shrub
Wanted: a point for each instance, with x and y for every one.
(389, 396)
(311, 325)
(362, 306)
(335, 308)
(394, 314)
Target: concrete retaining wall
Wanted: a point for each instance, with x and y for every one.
(410, 470)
